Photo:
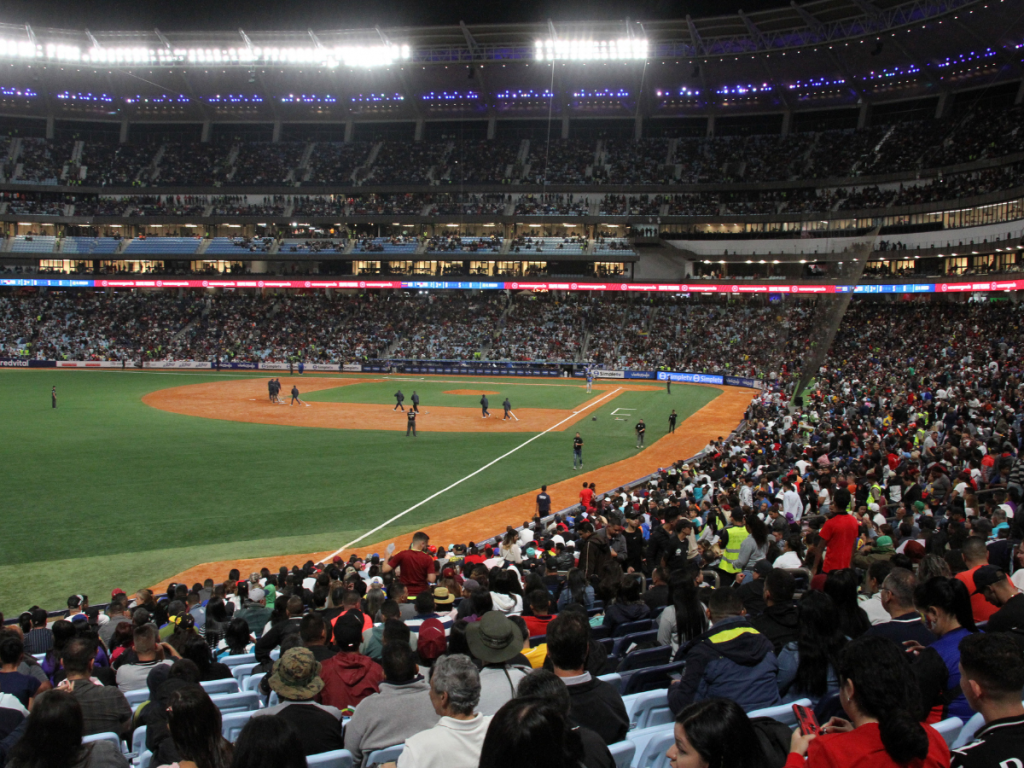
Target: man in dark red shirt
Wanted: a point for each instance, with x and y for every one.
(586, 497)
(840, 534)
(415, 567)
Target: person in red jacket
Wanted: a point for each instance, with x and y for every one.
(877, 689)
(349, 676)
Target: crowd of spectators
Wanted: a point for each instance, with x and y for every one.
(552, 204)
(448, 327)
(861, 550)
(239, 205)
(335, 162)
(541, 327)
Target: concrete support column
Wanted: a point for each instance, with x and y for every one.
(49, 126)
(207, 132)
(864, 116)
(787, 122)
(638, 127)
(123, 137)
(943, 106)
(259, 267)
(418, 135)
(350, 130)
(1020, 94)
(565, 127)
(711, 127)
(492, 126)
(276, 135)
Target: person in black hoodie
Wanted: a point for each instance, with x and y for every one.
(660, 541)
(780, 618)
(627, 606)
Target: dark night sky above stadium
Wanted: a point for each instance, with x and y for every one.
(170, 16)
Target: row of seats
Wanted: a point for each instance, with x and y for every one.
(182, 245)
(90, 245)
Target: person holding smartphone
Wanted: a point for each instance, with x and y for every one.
(877, 689)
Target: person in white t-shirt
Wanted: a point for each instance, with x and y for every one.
(458, 738)
(792, 504)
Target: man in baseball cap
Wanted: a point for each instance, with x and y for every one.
(991, 583)
(296, 681)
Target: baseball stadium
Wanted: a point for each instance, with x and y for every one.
(661, 363)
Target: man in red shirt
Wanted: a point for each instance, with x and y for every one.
(415, 567)
(586, 497)
(540, 603)
(839, 534)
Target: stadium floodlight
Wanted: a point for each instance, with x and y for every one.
(591, 50)
(362, 56)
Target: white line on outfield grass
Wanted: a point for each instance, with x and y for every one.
(467, 477)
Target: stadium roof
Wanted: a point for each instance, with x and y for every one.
(821, 54)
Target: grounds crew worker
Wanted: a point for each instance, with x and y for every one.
(640, 428)
(399, 397)
(415, 402)
(508, 407)
(483, 406)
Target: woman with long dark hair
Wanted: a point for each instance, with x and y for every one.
(197, 651)
(268, 742)
(945, 608)
(807, 666)
(237, 640)
(842, 586)
(63, 632)
(685, 617)
(754, 547)
(628, 605)
(53, 738)
(715, 733)
(195, 725)
(877, 689)
(576, 590)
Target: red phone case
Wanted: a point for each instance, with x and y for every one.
(806, 719)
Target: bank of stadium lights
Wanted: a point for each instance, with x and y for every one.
(591, 50)
(360, 56)
(450, 96)
(27, 93)
(740, 90)
(99, 97)
(607, 93)
(514, 95)
(816, 82)
(684, 92)
(376, 98)
(963, 58)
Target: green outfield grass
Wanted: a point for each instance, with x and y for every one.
(106, 491)
(525, 395)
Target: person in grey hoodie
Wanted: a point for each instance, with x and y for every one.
(374, 724)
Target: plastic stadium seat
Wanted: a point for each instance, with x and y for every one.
(538, 640)
(137, 697)
(613, 678)
(145, 759)
(236, 702)
(241, 671)
(632, 627)
(599, 633)
(648, 709)
(783, 712)
(950, 729)
(252, 682)
(273, 700)
(139, 740)
(608, 643)
(386, 755)
(652, 678)
(646, 657)
(229, 685)
(113, 738)
(242, 658)
(966, 735)
(622, 753)
(339, 758)
(651, 745)
(232, 725)
(623, 643)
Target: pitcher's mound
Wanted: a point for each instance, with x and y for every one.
(470, 392)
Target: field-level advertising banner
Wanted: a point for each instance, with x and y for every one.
(691, 378)
(21, 362)
(176, 364)
(93, 364)
(719, 288)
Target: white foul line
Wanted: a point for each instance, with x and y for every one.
(467, 477)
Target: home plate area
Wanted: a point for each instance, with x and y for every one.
(248, 400)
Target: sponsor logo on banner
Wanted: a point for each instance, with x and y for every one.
(640, 374)
(742, 381)
(322, 367)
(609, 374)
(241, 366)
(15, 363)
(691, 378)
(353, 367)
(176, 364)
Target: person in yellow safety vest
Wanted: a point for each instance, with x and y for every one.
(875, 494)
(736, 532)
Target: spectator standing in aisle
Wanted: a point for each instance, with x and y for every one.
(415, 567)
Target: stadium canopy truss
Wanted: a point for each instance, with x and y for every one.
(811, 56)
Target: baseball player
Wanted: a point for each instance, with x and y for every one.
(672, 421)
(640, 428)
(399, 399)
(270, 389)
(590, 380)
(577, 452)
(53, 395)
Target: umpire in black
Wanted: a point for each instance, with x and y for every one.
(411, 423)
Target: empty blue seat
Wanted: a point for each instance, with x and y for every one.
(237, 702)
(652, 678)
(232, 724)
(648, 709)
(228, 685)
(631, 627)
(339, 758)
(386, 755)
(784, 713)
(622, 753)
(646, 657)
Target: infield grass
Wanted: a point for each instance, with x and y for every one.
(106, 491)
